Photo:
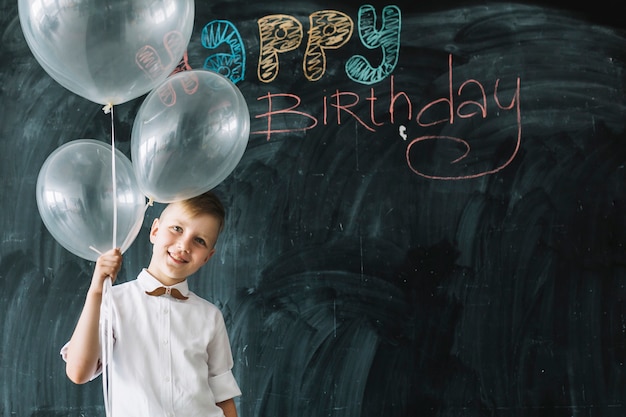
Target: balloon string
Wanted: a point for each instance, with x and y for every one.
(106, 333)
(114, 177)
(107, 294)
(107, 299)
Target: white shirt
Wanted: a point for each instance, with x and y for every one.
(170, 357)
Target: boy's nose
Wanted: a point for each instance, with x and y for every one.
(183, 246)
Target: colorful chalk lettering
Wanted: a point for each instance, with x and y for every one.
(330, 30)
(358, 68)
(232, 64)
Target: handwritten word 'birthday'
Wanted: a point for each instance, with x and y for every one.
(343, 104)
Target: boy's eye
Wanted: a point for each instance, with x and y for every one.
(177, 228)
(201, 241)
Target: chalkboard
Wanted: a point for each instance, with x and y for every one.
(431, 227)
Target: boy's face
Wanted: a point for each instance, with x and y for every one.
(181, 244)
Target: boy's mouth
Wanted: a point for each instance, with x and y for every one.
(177, 259)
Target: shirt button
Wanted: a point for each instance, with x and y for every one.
(167, 379)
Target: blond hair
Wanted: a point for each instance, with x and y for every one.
(206, 203)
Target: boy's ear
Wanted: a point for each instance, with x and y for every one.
(209, 256)
(154, 229)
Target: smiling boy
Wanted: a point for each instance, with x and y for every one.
(171, 354)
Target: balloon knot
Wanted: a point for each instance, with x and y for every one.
(107, 109)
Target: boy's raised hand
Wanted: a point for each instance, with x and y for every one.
(107, 265)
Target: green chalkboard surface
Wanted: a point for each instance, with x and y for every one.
(429, 218)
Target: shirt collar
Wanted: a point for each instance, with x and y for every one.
(150, 283)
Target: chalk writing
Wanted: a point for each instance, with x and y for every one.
(284, 111)
(183, 65)
(344, 104)
(481, 110)
(387, 38)
(232, 64)
(150, 62)
(148, 59)
(278, 34)
(190, 83)
(329, 29)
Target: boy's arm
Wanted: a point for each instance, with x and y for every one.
(228, 407)
(83, 350)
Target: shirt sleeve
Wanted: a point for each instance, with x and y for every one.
(224, 387)
(221, 378)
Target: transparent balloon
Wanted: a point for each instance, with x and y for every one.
(189, 135)
(108, 52)
(76, 201)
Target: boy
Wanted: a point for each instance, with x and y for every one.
(171, 353)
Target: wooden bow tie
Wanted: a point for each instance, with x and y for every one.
(167, 290)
